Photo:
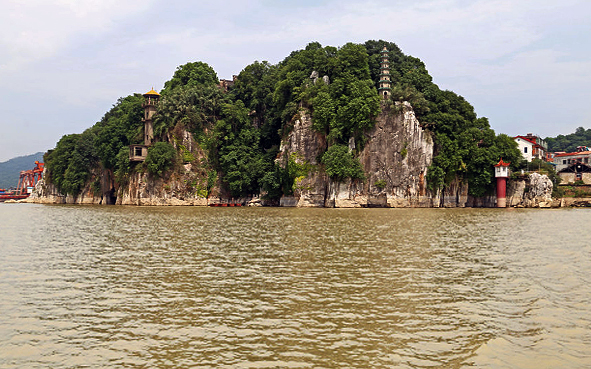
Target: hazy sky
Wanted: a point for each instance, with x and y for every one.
(524, 64)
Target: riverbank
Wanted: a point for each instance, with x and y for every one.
(564, 202)
(535, 191)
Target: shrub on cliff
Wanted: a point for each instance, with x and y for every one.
(161, 157)
(341, 164)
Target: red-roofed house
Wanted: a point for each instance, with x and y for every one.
(531, 147)
(564, 160)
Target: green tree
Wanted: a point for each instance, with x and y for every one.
(161, 158)
(341, 164)
(570, 142)
(195, 108)
(71, 162)
(191, 74)
(119, 127)
(239, 155)
(58, 159)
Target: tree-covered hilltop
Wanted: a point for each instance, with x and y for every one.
(570, 142)
(238, 133)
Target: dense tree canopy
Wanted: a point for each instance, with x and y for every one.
(570, 142)
(71, 163)
(191, 75)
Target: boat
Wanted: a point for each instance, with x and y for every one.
(11, 194)
(225, 204)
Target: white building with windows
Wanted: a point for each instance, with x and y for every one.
(564, 160)
(531, 147)
(525, 148)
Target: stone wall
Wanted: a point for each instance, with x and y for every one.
(571, 177)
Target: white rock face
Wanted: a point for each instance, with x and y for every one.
(395, 158)
(305, 145)
(515, 192)
(540, 191)
(535, 192)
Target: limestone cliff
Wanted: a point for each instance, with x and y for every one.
(187, 185)
(140, 189)
(395, 158)
(305, 145)
(47, 193)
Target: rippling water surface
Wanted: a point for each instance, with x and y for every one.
(191, 287)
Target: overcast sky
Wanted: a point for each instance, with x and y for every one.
(526, 65)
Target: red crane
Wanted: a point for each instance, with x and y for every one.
(29, 178)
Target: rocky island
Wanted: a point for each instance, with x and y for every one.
(362, 125)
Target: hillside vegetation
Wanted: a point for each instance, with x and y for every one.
(570, 142)
(239, 132)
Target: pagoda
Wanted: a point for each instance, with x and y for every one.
(385, 83)
(140, 152)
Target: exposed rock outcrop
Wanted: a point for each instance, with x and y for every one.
(540, 191)
(305, 146)
(533, 192)
(395, 158)
(47, 193)
(145, 190)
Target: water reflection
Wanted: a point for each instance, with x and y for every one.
(297, 288)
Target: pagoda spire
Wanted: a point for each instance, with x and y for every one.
(385, 82)
(150, 101)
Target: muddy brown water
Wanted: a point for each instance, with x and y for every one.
(195, 287)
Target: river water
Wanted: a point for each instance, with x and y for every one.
(196, 287)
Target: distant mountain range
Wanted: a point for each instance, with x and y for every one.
(10, 170)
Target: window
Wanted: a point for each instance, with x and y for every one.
(525, 150)
(564, 161)
(138, 151)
